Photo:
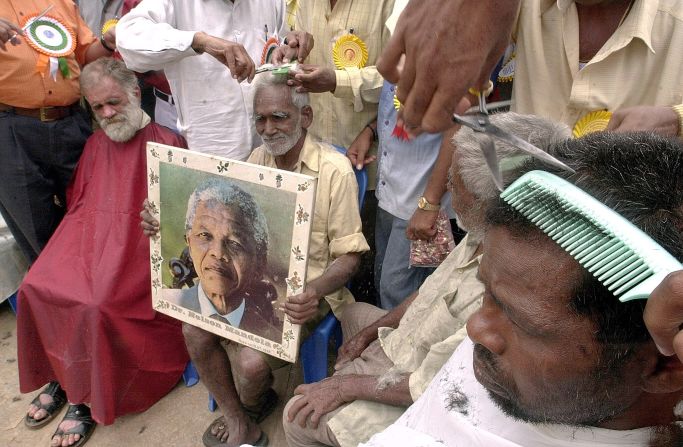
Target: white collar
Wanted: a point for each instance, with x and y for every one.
(207, 308)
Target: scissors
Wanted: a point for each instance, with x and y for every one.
(479, 122)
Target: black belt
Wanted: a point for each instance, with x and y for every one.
(43, 113)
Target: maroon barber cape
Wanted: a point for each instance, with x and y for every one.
(85, 308)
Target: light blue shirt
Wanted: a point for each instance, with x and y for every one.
(208, 309)
(403, 167)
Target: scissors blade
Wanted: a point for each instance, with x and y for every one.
(525, 146)
(40, 16)
(489, 150)
(474, 122)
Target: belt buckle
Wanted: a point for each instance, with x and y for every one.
(43, 115)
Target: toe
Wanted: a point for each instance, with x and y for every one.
(38, 414)
(56, 441)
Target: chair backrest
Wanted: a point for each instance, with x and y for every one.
(361, 178)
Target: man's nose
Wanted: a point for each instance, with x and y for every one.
(219, 250)
(270, 128)
(107, 111)
(486, 328)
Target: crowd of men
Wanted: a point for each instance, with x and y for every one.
(509, 341)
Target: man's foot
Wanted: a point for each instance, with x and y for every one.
(45, 406)
(75, 428)
(233, 432)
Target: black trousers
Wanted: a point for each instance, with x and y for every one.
(37, 160)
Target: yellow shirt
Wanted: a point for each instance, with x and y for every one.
(340, 116)
(424, 340)
(292, 8)
(336, 220)
(21, 85)
(640, 64)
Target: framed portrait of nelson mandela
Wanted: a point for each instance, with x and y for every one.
(232, 245)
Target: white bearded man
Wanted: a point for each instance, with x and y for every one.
(86, 324)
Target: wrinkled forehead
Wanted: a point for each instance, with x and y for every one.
(270, 98)
(529, 270)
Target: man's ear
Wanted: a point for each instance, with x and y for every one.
(306, 117)
(665, 375)
(137, 93)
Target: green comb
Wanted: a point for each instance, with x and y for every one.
(621, 256)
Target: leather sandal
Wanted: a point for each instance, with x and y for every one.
(58, 400)
(80, 413)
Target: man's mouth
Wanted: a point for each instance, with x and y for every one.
(220, 270)
(483, 371)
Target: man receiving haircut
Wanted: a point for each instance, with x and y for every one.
(227, 235)
(389, 358)
(86, 320)
(554, 357)
(240, 380)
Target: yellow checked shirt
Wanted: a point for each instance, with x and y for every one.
(340, 116)
(640, 64)
(336, 221)
(292, 8)
(424, 340)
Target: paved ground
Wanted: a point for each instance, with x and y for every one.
(178, 420)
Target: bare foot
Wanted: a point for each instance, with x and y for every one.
(77, 419)
(235, 430)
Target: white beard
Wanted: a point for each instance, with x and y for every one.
(123, 126)
(281, 143)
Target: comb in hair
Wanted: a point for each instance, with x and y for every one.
(620, 255)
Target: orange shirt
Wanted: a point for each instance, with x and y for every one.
(20, 83)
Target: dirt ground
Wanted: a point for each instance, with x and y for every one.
(177, 420)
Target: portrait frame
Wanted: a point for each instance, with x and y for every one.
(286, 199)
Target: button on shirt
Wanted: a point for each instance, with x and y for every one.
(640, 64)
(403, 167)
(21, 85)
(214, 111)
(207, 308)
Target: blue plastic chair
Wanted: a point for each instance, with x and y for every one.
(12, 300)
(314, 348)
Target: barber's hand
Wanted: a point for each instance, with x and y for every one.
(357, 152)
(449, 46)
(230, 54)
(422, 225)
(150, 226)
(110, 37)
(317, 399)
(354, 347)
(660, 119)
(299, 45)
(8, 33)
(313, 79)
(664, 315)
(302, 307)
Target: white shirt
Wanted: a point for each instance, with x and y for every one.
(207, 308)
(214, 111)
(475, 420)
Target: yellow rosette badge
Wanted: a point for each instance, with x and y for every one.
(349, 51)
(109, 24)
(592, 122)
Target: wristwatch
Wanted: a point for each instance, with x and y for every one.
(423, 204)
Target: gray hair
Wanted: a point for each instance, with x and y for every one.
(475, 173)
(114, 69)
(224, 192)
(269, 79)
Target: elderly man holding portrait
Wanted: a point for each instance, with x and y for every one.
(240, 379)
